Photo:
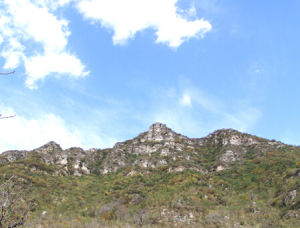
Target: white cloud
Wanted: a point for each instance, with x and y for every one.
(14, 54)
(192, 12)
(202, 99)
(32, 32)
(22, 133)
(127, 17)
(185, 100)
(42, 65)
(53, 4)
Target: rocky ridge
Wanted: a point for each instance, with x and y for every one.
(159, 147)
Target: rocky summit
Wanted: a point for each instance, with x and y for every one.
(159, 146)
(163, 179)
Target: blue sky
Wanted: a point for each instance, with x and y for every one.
(90, 73)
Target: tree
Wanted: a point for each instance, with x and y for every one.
(14, 209)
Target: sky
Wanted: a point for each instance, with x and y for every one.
(90, 73)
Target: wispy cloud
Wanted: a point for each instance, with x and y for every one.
(127, 17)
(192, 111)
(22, 132)
(210, 6)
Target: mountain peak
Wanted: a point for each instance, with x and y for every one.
(50, 146)
(229, 136)
(156, 127)
(159, 131)
(225, 132)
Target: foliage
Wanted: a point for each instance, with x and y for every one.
(254, 192)
(14, 208)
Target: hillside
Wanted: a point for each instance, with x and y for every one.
(162, 179)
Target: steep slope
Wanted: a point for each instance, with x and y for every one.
(162, 178)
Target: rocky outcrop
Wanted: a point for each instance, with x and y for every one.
(290, 196)
(14, 155)
(159, 147)
(75, 161)
(234, 146)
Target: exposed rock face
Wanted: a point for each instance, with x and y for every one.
(48, 148)
(159, 147)
(232, 137)
(74, 160)
(234, 146)
(13, 155)
(228, 156)
(290, 196)
(159, 132)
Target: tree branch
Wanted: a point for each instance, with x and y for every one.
(18, 223)
(5, 117)
(12, 72)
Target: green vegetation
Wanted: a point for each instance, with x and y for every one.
(251, 182)
(248, 195)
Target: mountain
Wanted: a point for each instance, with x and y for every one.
(158, 147)
(164, 179)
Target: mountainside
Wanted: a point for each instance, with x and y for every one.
(159, 146)
(163, 179)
